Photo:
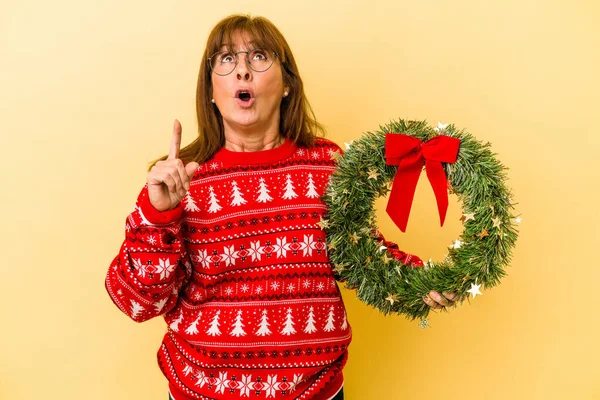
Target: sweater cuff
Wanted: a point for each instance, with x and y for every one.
(155, 217)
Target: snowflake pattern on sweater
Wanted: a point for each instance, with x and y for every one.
(241, 273)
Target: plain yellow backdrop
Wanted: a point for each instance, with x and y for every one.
(89, 91)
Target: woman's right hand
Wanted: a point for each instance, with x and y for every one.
(169, 180)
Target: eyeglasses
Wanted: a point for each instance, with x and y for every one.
(224, 62)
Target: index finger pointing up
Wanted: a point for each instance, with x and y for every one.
(175, 142)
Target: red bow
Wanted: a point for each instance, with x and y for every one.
(410, 154)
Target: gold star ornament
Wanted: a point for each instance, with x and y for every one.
(466, 217)
(483, 234)
(323, 223)
(423, 324)
(392, 298)
(373, 174)
(339, 268)
(355, 238)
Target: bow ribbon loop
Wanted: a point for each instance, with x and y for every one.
(410, 155)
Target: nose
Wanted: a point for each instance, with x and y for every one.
(242, 69)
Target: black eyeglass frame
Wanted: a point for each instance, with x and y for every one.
(237, 60)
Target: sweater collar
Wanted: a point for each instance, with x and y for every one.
(281, 152)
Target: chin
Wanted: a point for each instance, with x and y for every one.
(244, 120)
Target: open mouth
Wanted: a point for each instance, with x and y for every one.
(244, 96)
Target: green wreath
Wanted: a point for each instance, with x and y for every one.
(476, 259)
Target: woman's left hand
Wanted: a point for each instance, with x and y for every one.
(438, 301)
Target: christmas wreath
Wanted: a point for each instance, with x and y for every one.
(455, 162)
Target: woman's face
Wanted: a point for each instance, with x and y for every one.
(245, 98)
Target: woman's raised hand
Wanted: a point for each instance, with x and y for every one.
(169, 180)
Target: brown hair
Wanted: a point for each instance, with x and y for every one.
(297, 120)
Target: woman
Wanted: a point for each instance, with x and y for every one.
(225, 241)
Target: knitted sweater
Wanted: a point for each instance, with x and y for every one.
(240, 271)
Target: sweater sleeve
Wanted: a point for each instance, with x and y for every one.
(402, 256)
(152, 266)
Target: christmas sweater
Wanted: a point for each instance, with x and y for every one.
(240, 272)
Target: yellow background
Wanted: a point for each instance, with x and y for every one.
(89, 93)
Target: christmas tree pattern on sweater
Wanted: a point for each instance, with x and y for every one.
(241, 274)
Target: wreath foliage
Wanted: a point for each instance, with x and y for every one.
(477, 257)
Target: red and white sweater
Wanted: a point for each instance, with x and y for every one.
(241, 273)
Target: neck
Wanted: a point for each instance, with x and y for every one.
(252, 138)
(253, 144)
